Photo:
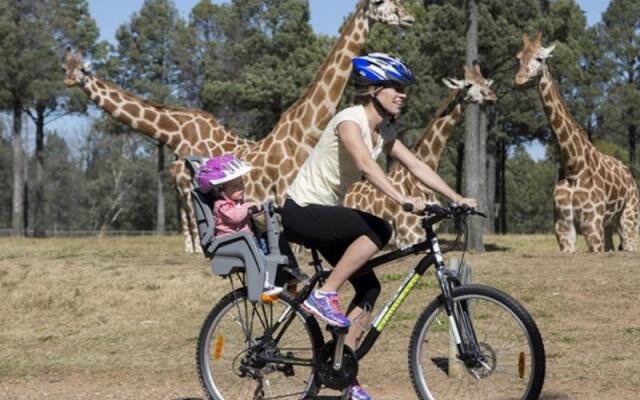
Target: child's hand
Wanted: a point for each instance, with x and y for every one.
(253, 207)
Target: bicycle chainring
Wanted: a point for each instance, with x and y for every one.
(328, 376)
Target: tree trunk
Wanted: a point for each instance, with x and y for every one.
(38, 190)
(473, 157)
(483, 161)
(632, 145)
(17, 211)
(490, 221)
(160, 205)
(502, 185)
(459, 176)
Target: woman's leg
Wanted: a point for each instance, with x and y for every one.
(358, 253)
(359, 319)
(346, 237)
(367, 289)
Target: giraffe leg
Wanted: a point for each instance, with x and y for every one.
(629, 225)
(189, 227)
(182, 182)
(184, 222)
(565, 228)
(593, 231)
(609, 230)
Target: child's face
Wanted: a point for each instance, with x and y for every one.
(234, 189)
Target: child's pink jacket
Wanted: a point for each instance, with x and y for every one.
(231, 216)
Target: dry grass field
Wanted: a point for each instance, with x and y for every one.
(118, 318)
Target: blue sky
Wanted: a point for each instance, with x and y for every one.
(326, 18)
(326, 15)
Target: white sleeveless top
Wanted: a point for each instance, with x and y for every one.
(330, 169)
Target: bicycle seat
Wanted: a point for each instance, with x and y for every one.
(236, 252)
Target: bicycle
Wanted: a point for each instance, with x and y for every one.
(471, 341)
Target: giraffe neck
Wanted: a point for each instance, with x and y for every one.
(574, 145)
(181, 130)
(318, 103)
(430, 146)
(435, 136)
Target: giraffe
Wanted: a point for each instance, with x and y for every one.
(363, 196)
(277, 158)
(597, 195)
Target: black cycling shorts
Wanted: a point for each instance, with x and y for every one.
(331, 229)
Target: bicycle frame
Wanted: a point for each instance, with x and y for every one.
(433, 257)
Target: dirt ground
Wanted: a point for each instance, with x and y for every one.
(118, 318)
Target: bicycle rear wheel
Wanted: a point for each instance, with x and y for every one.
(228, 365)
(512, 365)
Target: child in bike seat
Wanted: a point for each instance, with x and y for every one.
(223, 174)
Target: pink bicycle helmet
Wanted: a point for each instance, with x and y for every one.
(221, 169)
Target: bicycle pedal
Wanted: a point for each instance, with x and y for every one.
(337, 330)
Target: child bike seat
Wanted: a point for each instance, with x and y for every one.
(236, 252)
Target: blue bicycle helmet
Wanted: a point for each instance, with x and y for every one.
(377, 69)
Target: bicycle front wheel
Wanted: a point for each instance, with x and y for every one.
(511, 360)
(231, 367)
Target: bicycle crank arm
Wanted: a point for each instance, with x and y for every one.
(339, 350)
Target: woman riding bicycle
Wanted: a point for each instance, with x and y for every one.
(347, 151)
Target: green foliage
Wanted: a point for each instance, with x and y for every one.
(612, 149)
(64, 187)
(619, 36)
(144, 50)
(20, 51)
(33, 35)
(529, 189)
(257, 58)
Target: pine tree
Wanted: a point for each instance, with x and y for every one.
(32, 36)
(620, 40)
(258, 56)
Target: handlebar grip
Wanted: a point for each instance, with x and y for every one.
(408, 207)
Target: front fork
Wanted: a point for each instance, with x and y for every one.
(469, 350)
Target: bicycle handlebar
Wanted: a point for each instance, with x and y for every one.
(446, 212)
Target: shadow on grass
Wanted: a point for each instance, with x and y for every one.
(554, 396)
(490, 247)
(446, 244)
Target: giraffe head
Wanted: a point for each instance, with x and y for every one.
(476, 88)
(532, 58)
(75, 70)
(388, 12)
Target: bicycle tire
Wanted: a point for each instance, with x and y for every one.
(437, 373)
(223, 342)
